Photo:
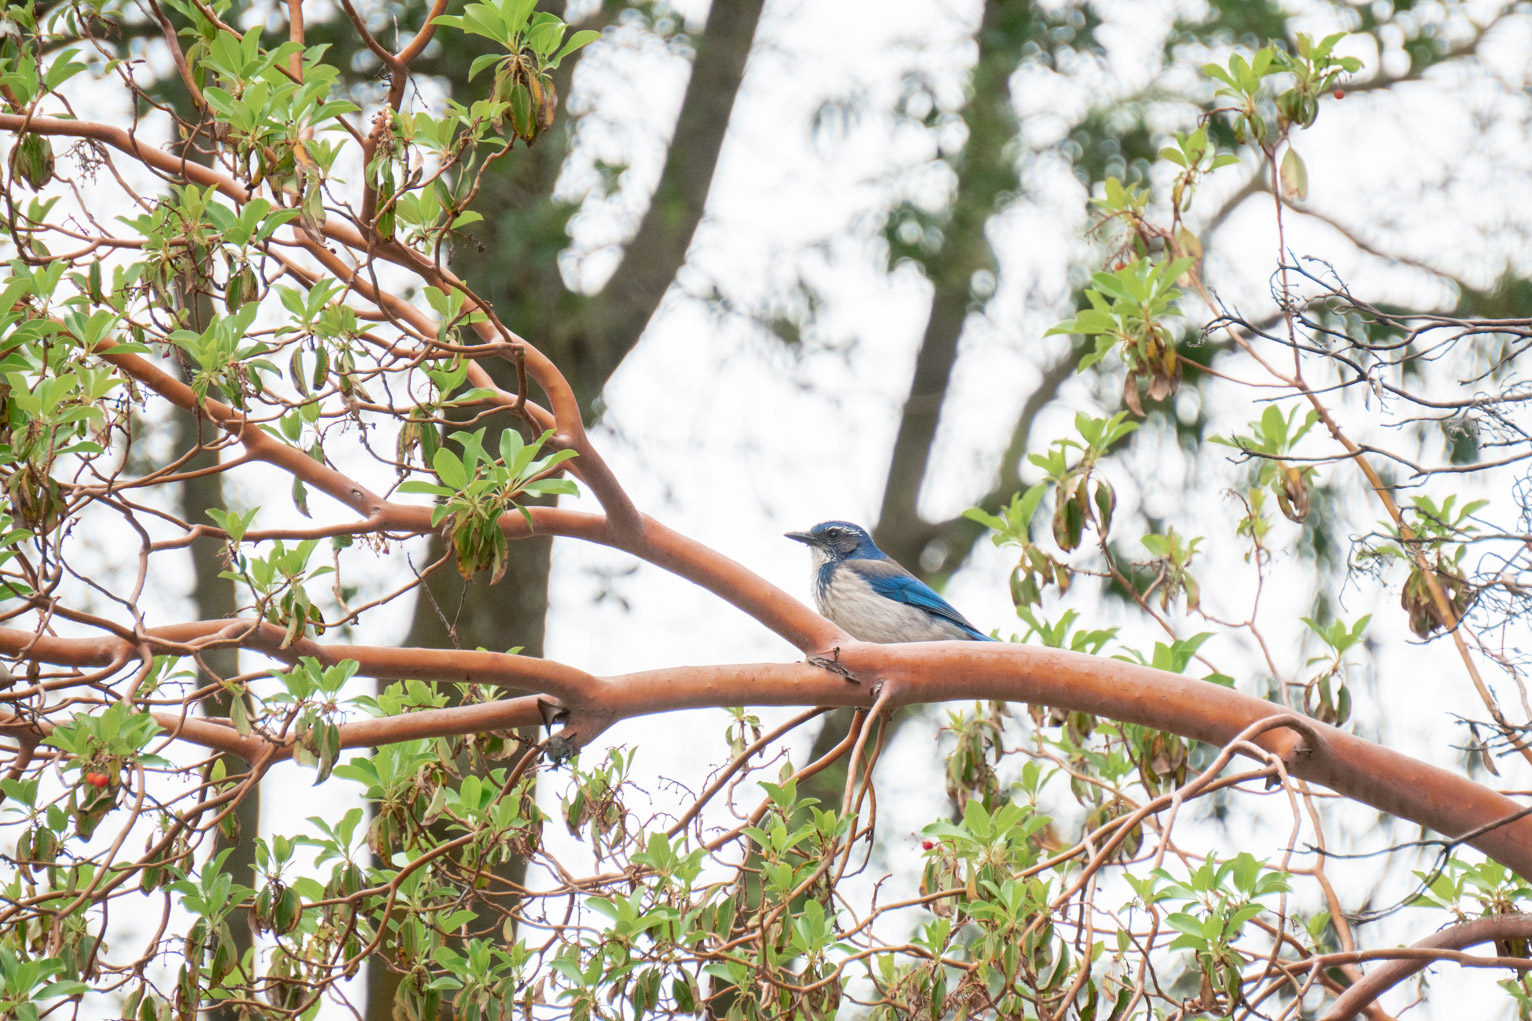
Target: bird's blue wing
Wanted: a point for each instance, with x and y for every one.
(891, 581)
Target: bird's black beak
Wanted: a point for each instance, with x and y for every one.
(807, 538)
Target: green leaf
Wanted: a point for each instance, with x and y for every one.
(552, 487)
(581, 38)
(523, 118)
(983, 517)
(511, 447)
(449, 468)
(482, 61)
(1294, 175)
(425, 488)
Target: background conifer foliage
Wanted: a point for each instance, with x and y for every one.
(322, 337)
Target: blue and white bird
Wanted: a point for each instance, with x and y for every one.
(859, 588)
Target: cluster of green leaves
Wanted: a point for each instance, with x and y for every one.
(422, 208)
(996, 907)
(1433, 542)
(1118, 752)
(1216, 901)
(403, 798)
(668, 916)
(319, 320)
(1081, 497)
(654, 947)
(98, 756)
(1173, 555)
(11, 543)
(101, 746)
(523, 88)
(790, 903)
(31, 69)
(1112, 753)
(1479, 890)
(1035, 568)
(592, 806)
(224, 356)
(26, 985)
(475, 489)
(976, 736)
(420, 432)
(56, 394)
(277, 579)
(1197, 157)
(395, 878)
(210, 959)
(1313, 70)
(998, 915)
(423, 792)
(268, 112)
(1129, 311)
(1326, 696)
(1271, 439)
(310, 700)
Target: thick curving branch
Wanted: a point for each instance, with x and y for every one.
(929, 672)
(645, 538)
(1455, 937)
(256, 441)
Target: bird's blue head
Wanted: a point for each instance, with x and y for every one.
(839, 540)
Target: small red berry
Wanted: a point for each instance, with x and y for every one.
(1340, 93)
(926, 845)
(96, 779)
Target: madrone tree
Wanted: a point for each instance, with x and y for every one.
(276, 267)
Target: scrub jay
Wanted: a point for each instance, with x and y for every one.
(858, 587)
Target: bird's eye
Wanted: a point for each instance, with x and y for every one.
(834, 533)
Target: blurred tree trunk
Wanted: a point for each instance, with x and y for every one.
(214, 598)
(985, 172)
(587, 335)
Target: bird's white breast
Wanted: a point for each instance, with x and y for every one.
(850, 602)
